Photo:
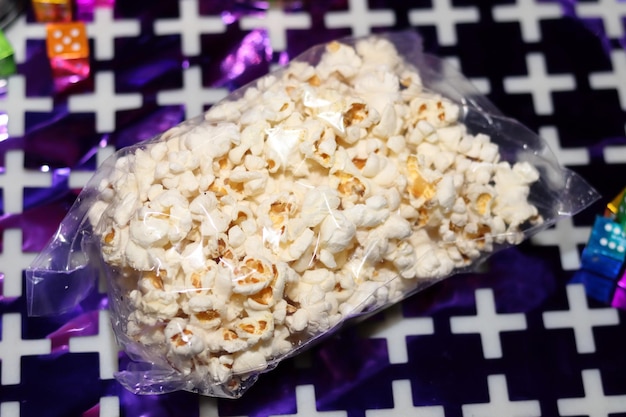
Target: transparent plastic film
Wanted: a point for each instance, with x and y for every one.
(359, 174)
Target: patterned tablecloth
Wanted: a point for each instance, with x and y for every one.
(517, 340)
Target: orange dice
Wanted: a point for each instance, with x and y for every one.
(67, 40)
(52, 10)
(68, 51)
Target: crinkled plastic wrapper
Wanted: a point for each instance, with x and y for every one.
(358, 175)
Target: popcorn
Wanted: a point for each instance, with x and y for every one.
(323, 191)
(300, 245)
(340, 59)
(380, 89)
(251, 276)
(182, 339)
(249, 360)
(336, 232)
(259, 326)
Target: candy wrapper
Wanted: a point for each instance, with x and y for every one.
(359, 174)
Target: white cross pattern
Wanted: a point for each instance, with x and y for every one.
(580, 318)
(613, 79)
(595, 403)
(277, 22)
(104, 343)
(445, 17)
(395, 328)
(499, 403)
(403, 404)
(614, 154)
(78, 179)
(10, 409)
(305, 404)
(569, 157)
(612, 13)
(15, 104)
(528, 13)
(488, 323)
(193, 95)
(13, 348)
(539, 83)
(16, 178)
(190, 25)
(481, 84)
(104, 102)
(13, 261)
(359, 18)
(104, 29)
(110, 407)
(19, 32)
(567, 237)
(208, 406)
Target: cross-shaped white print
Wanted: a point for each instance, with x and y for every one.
(612, 13)
(567, 237)
(15, 104)
(10, 409)
(481, 84)
(20, 32)
(13, 262)
(595, 403)
(78, 179)
(528, 13)
(305, 404)
(569, 157)
(190, 25)
(208, 407)
(403, 404)
(110, 407)
(539, 83)
(13, 347)
(104, 29)
(499, 403)
(614, 79)
(445, 17)
(359, 18)
(276, 21)
(104, 343)
(104, 102)
(580, 318)
(193, 94)
(395, 328)
(614, 154)
(15, 178)
(488, 323)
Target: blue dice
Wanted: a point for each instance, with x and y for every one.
(606, 249)
(603, 271)
(597, 287)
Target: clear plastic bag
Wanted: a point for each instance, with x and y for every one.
(358, 175)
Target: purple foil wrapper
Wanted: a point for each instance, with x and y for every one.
(523, 279)
(85, 8)
(619, 297)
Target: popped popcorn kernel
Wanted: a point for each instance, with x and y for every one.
(251, 276)
(419, 187)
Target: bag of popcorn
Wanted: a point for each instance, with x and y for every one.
(360, 173)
